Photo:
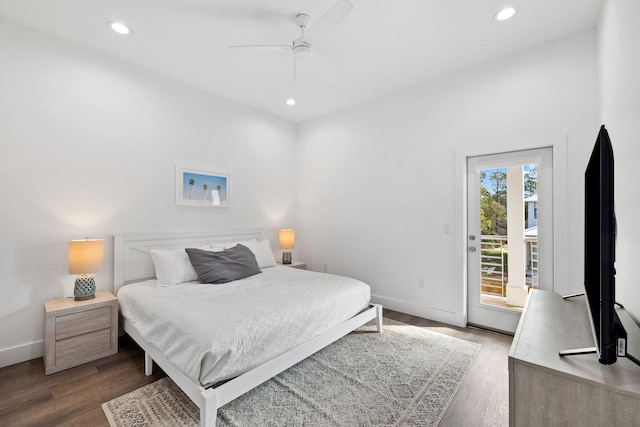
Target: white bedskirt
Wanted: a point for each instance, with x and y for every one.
(216, 332)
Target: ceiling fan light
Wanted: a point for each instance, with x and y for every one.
(302, 50)
(119, 28)
(290, 102)
(505, 13)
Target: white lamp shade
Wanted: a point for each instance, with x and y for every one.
(287, 238)
(85, 256)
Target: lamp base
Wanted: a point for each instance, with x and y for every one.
(85, 287)
(286, 257)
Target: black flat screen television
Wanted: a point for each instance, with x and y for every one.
(599, 252)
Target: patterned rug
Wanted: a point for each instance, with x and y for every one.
(406, 376)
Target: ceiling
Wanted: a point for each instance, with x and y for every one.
(381, 47)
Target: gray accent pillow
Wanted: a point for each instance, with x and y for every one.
(225, 266)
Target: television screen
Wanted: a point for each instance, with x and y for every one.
(599, 250)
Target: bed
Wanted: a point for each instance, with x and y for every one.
(319, 308)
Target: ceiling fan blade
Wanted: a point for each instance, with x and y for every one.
(329, 21)
(273, 47)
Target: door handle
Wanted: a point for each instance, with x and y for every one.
(472, 249)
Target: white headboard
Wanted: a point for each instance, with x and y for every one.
(132, 259)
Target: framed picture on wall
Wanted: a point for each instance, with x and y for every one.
(202, 188)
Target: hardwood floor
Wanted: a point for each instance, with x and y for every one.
(74, 397)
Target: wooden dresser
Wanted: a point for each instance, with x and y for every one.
(77, 332)
(546, 389)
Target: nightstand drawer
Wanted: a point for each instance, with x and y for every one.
(82, 346)
(71, 325)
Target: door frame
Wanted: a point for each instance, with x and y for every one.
(560, 212)
(498, 318)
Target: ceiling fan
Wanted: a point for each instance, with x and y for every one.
(311, 36)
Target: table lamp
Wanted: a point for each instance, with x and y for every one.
(85, 257)
(287, 240)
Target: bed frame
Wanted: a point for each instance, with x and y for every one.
(132, 263)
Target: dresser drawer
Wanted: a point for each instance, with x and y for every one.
(71, 325)
(82, 347)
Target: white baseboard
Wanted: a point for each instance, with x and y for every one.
(21, 353)
(420, 310)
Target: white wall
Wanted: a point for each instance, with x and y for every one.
(378, 184)
(620, 99)
(89, 148)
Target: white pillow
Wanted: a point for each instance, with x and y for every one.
(173, 266)
(227, 245)
(262, 251)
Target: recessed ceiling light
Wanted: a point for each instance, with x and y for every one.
(505, 13)
(119, 28)
(290, 102)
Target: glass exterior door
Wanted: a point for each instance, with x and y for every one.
(510, 233)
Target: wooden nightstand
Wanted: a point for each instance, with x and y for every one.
(77, 332)
(295, 264)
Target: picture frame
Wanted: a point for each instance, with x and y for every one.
(195, 187)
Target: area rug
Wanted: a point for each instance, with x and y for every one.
(405, 376)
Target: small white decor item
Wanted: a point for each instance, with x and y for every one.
(287, 240)
(85, 257)
(202, 188)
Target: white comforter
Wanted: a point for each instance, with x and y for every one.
(216, 332)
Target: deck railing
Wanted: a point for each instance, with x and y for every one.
(493, 265)
(494, 259)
